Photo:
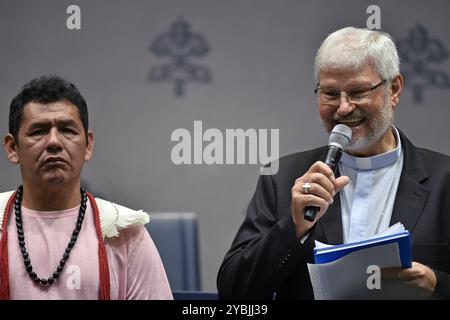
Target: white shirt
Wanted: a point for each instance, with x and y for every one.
(367, 201)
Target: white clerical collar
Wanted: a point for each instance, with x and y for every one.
(375, 162)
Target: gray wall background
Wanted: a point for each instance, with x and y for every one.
(261, 61)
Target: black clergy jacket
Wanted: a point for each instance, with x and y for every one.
(267, 259)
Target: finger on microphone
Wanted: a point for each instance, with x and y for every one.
(321, 167)
(332, 178)
(340, 183)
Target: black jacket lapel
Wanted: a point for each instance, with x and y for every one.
(411, 194)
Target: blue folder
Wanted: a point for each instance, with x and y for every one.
(403, 238)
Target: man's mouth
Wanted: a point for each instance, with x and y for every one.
(351, 122)
(54, 161)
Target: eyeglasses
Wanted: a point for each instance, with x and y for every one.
(354, 95)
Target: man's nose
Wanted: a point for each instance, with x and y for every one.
(345, 106)
(54, 143)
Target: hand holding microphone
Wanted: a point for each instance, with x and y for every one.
(314, 191)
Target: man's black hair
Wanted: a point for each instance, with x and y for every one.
(46, 89)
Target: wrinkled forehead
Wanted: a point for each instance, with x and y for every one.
(50, 112)
(344, 77)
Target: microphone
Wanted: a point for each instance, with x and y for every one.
(340, 137)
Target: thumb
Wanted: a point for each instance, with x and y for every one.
(340, 183)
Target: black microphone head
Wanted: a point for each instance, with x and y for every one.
(340, 136)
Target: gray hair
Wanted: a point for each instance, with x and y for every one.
(353, 48)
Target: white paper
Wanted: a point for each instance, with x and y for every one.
(396, 228)
(347, 277)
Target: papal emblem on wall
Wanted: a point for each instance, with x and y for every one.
(421, 59)
(181, 48)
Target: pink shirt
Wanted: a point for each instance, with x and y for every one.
(135, 267)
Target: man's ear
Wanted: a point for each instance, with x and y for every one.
(396, 89)
(89, 146)
(11, 148)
